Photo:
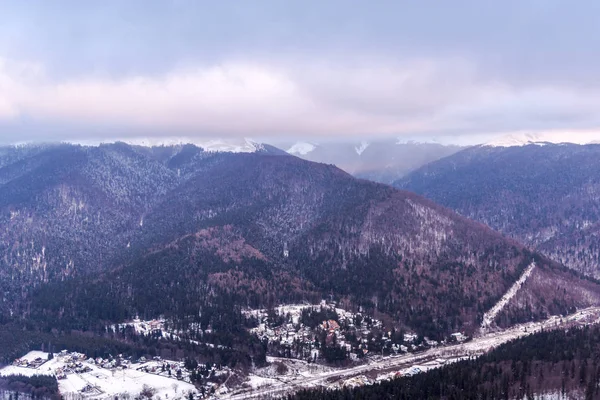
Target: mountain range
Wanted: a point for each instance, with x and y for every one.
(104, 233)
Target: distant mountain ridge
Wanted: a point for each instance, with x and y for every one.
(227, 145)
(542, 138)
(546, 197)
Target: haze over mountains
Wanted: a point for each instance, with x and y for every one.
(387, 160)
(378, 160)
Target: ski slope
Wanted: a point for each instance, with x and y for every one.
(490, 316)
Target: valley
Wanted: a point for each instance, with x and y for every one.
(258, 272)
(110, 380)
(296, 200)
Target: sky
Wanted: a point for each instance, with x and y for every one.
(314, 70)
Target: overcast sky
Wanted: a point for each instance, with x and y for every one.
(300, 69)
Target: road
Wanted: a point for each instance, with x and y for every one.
(378, 366)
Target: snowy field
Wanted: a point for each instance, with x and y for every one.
(101, 383)
(109, 383)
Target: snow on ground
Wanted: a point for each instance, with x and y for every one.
(160, 326)
(559, 396)
(15, 370)
(295, 367)
(109, 383)
(142, 327)
(33, 355)
(21, 367)
(295, 311)
(490, 316)
(98, 382)
(257, 382)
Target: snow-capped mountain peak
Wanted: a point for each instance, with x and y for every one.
(541, 138)
(230, 145)
(301, 148)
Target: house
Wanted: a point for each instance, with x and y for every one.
(410, 337)
(459, 337)
(411, 371)
(155, 326)
(330, 325)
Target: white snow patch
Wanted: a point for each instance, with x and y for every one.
(258, 381)
(556, 396)
(301, 148)
(362, 147)
(490, 316)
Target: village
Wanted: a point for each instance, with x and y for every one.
(300, 339)
(321, 333)
(326, 333)
(118, 376)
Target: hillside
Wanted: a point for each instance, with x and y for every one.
(100, 234)
(545, 196)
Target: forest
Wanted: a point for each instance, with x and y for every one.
(36, 386)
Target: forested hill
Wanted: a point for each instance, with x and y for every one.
(546, 196)
(92, 235)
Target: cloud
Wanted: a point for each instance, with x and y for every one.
(230, 98)
(441, 96)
